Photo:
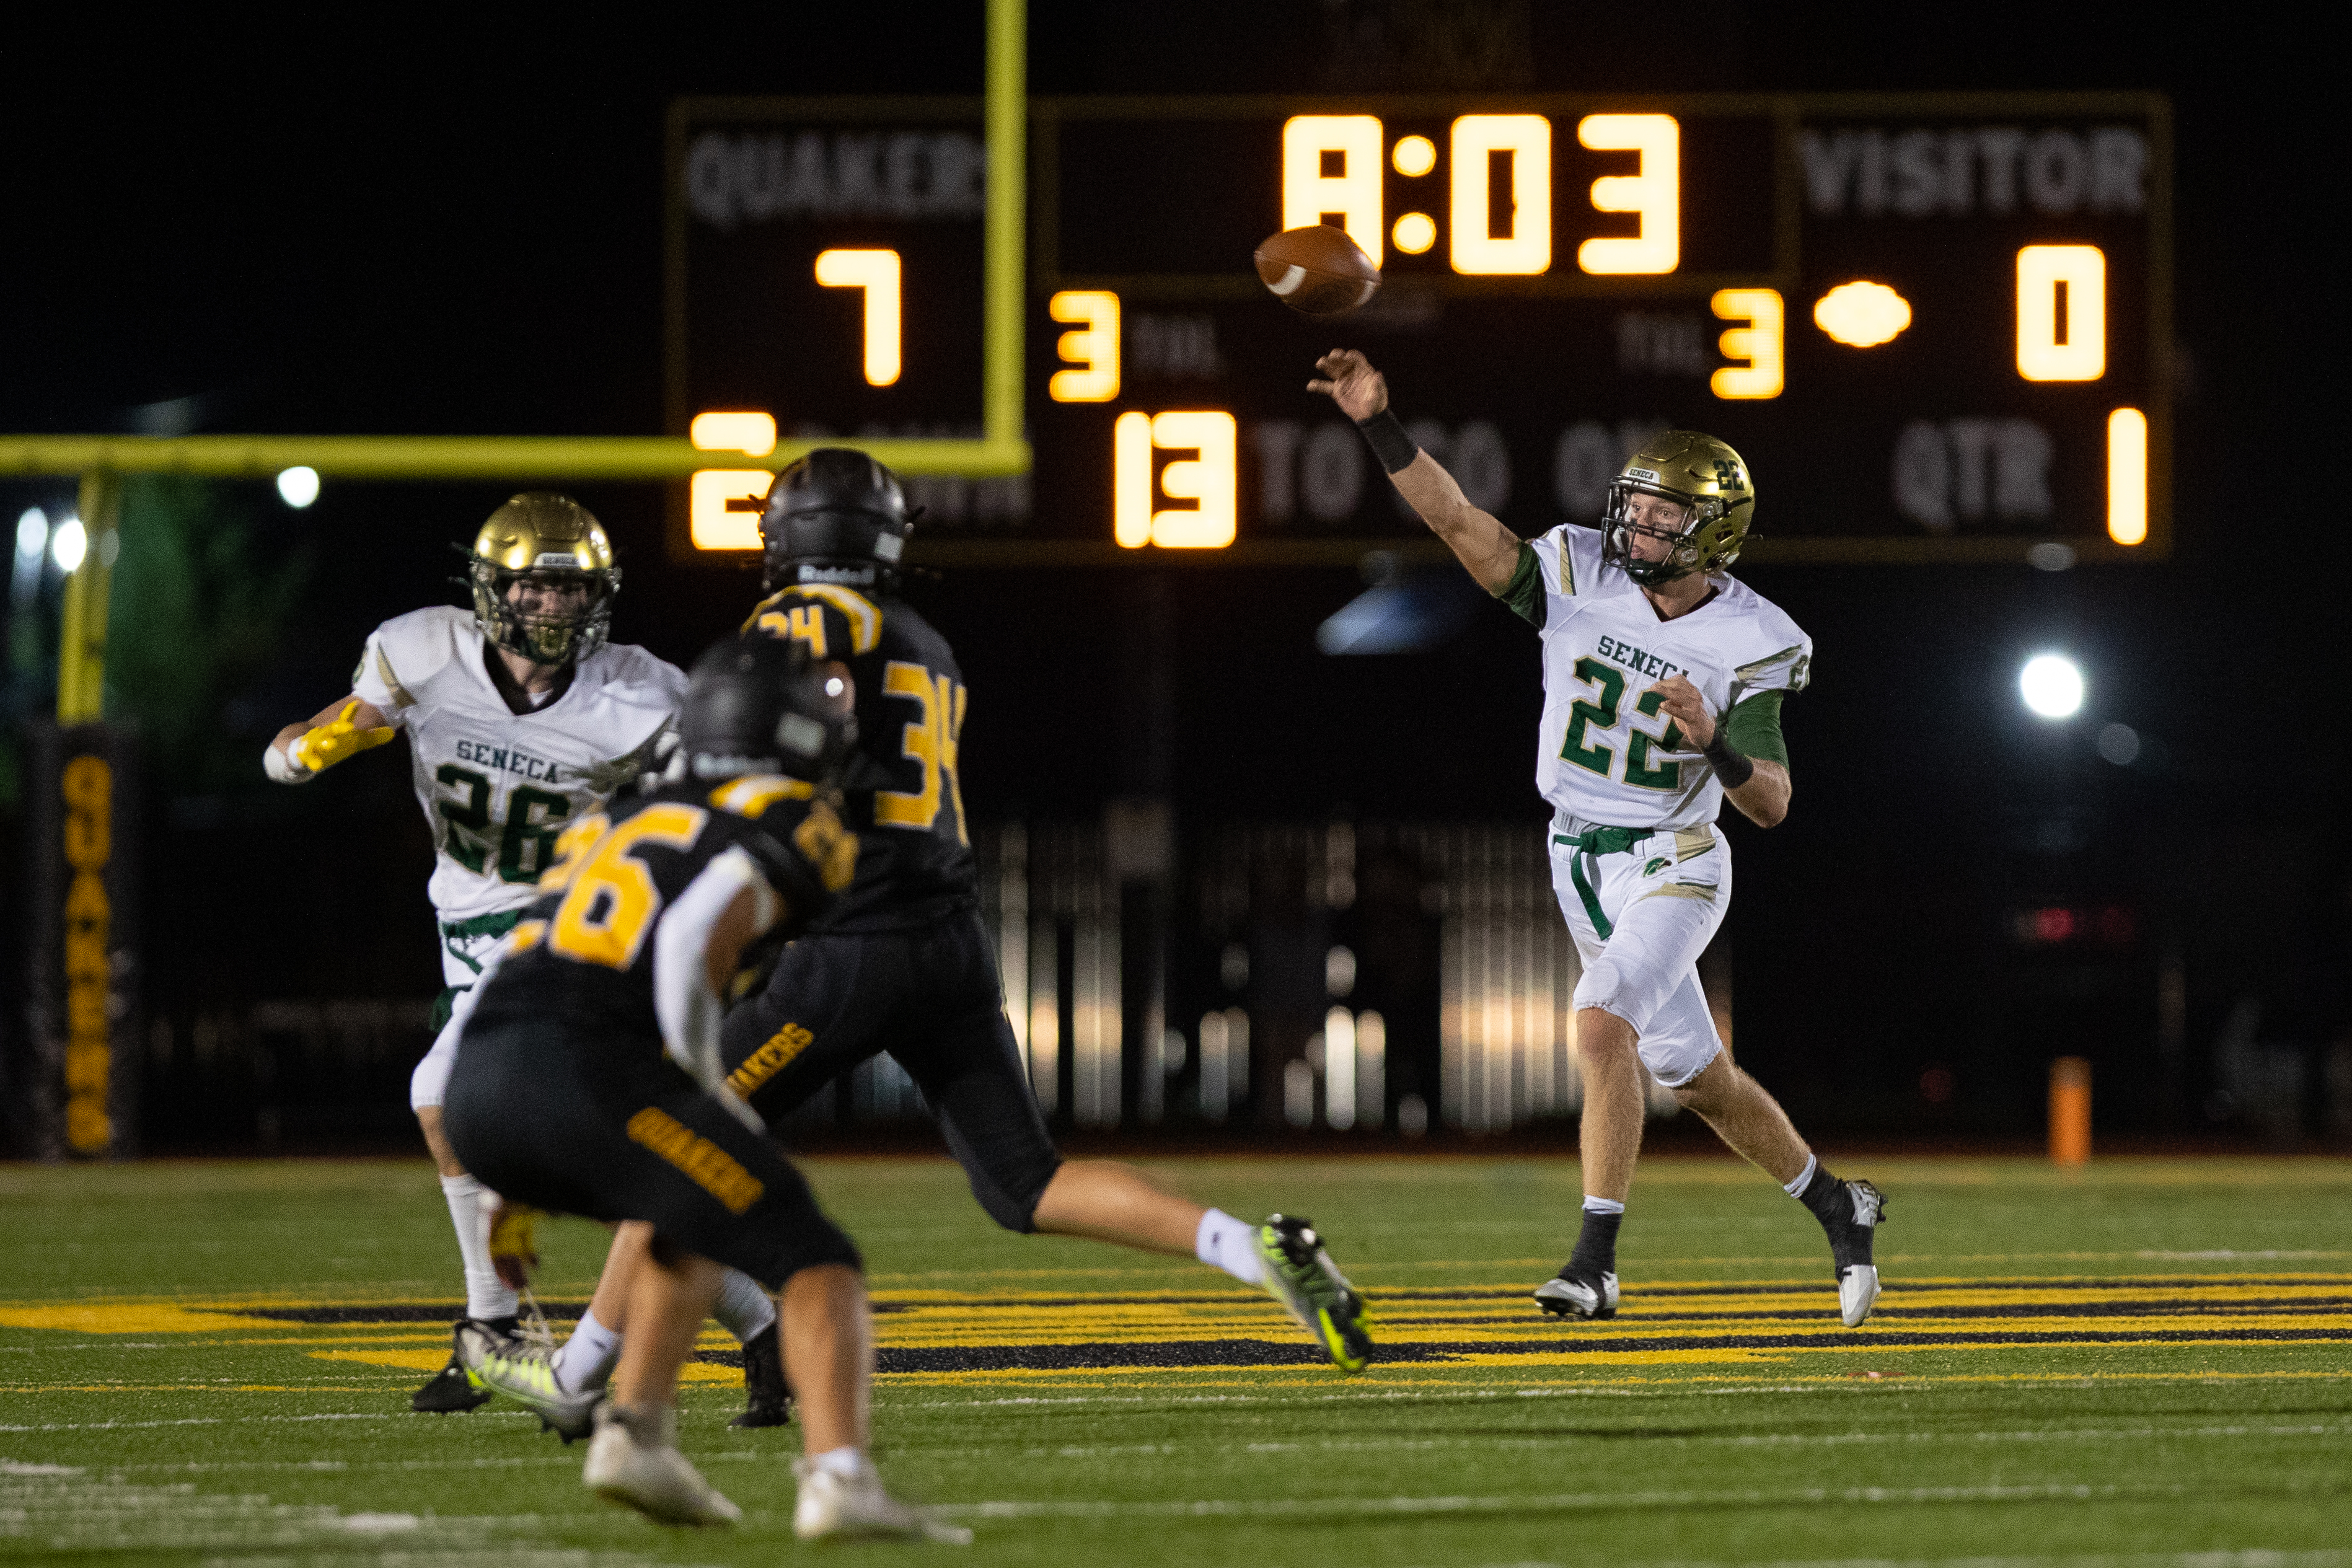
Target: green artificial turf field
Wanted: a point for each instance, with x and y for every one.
(2147, 1361)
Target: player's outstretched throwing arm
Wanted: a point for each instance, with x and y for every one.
(1491, 552)
(1487, 550)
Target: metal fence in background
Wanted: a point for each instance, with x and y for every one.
(1354, 978)
(1359, 978)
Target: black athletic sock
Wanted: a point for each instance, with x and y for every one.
(507, 1325)
(1596, 1246)
(1826, 1195)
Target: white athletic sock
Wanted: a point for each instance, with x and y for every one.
(848, 1462)
(469, 1210)
(1226, 1243)
(1796, 1189)
(742, 1307)
(587, 1358)
(1602, 1205)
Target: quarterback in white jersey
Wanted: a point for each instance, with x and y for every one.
(1662, 683)
(522, 717)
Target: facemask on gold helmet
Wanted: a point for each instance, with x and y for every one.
(543, 579)
(1702, 476)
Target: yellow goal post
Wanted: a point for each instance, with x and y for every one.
(1001, 451)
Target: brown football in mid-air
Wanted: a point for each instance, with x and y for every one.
(1317, 271)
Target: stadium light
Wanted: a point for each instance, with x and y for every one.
(32, 531)
(2052, 685)
(69, 544)
(298, 487)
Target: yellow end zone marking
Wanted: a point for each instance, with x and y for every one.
(411, 1361)
(99, 1318)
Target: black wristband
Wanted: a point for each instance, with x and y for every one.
(1389, 442)
(1734, 768)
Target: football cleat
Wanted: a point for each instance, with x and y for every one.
(768, 1397)
(1301, 1276)
(525, 1372)
(1570, 1297)
(1851, 1229)
(846, 1507)
(454, 1388)
(634, 1460)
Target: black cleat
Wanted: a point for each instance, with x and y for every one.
(454, 1389)
(768, 1397)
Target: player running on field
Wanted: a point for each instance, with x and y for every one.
(588, 1081)
(1662, 684)
(521, 718)
(902, 962)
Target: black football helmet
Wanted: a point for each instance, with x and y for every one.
(761, 705)
(834, 516)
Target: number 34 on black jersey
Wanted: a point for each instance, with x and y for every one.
(902, 796)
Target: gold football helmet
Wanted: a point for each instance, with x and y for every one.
(555, 552)
(1704, 477)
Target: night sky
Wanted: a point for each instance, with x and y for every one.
(359, 225)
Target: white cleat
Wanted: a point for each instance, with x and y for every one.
(1853, 1227)
(1571, 1298)
(832, 1505)
(1857, 1291)
(634, 1460)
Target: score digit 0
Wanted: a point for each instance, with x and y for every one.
(1331, 171)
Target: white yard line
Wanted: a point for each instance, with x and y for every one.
(65, 1510)
(2249, 1559)
(1572, 1503)
(1788, 1440)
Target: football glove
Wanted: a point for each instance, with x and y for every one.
(514, 1244)
(323, 747)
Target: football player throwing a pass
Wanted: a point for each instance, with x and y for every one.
(1662, 683)
(522, 717)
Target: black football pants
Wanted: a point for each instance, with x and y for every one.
(930, 997)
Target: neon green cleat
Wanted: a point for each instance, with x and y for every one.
(525, 1372)
(1301, 1276)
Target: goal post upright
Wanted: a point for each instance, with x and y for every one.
(1001, 451)
(82, 1005)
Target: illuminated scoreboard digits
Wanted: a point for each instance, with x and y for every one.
(825, 278)
(1934, 325)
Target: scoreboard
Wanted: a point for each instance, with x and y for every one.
(1936, 325)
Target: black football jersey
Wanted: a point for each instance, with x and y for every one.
(902, 796)
(585, 950)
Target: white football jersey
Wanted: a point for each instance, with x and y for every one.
(496, 785)
(1603, 752)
